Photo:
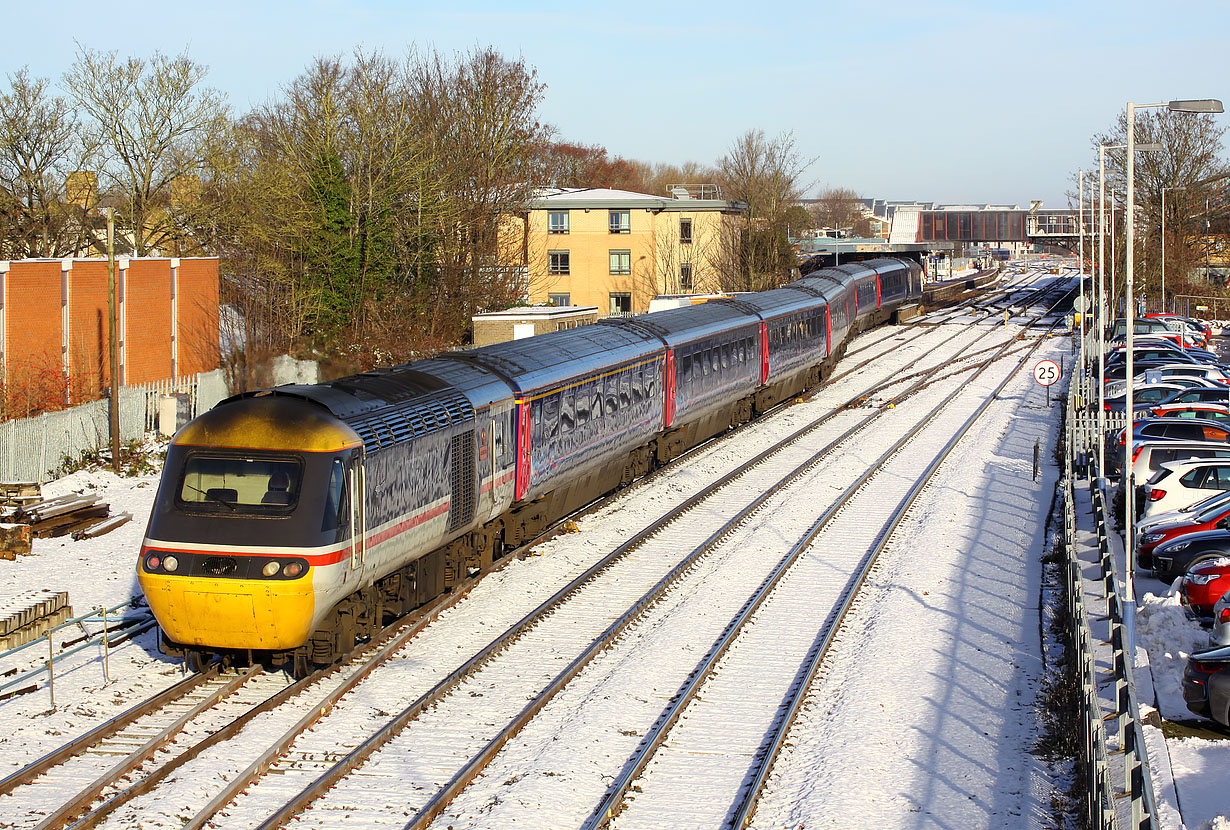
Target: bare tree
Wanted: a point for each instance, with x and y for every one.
(1191, 157)
(766, 176)
(40, 152)
(149, 120)
(841, 209)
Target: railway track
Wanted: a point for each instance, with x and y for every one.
(103, 798)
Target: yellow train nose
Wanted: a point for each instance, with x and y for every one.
(231, 613)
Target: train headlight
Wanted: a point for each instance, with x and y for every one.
(271, 568)
(152, 562)
(170, 564)
(293, 569)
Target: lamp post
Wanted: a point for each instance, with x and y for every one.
(1164, 189)
(1207, 105)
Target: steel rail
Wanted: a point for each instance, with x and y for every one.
(767, 756)
(394, 726)
(421, 618)
(101, 732)
(612, 801)
(79, 802)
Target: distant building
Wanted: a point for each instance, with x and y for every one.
(53, 325)
(617, 250)
(527, 321)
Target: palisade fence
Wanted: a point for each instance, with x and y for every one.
(1113, 746)
(31, 449)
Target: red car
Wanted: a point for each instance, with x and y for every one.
(1202, 586)
(1209, 519)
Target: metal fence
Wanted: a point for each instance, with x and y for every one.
(1103, 794)
(32, 449)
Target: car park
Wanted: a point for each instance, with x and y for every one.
(1203, 585)
(1204, 374)
(1206, 684)
(1172, 559)
(1198, 394)
(1180, 483)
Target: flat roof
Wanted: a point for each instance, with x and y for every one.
(602, 198)
(537, 312)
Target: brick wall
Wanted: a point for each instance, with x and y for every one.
(167, 315)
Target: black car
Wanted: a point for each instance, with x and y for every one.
(1172, 559)
(1198, 394)
(1206, 684)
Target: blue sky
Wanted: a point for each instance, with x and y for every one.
(946, 101)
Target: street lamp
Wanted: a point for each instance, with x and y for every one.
(1101, 319)
(1205, 105)
(1164, 189)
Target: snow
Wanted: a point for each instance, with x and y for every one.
(928, 722)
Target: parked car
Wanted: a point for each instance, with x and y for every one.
(1196, 521)
(1203, 585)
(1190, 430)
(1158, 350)
(1171, 373)
(1206, 684)
(1141, 325)
(1219, 634)
(1149, 456)
(1203, 411)
(1180, 483)
(1144, 397)
(1198, 394)
(1173, 559)
(1183, 513)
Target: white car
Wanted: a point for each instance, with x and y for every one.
(1183, 513)
(1180, 483)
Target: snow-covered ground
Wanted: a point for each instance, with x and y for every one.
(906, 731)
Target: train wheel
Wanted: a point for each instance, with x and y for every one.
(198, 660)
(300, 667)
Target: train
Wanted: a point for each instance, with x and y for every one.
(291, 523)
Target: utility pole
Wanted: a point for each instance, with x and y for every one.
(113, 344)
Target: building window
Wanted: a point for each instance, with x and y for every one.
(559, 300)
(621, 302)
(621, 221)
(685, 277)
(558, 262)
(621, 262)
(557, 221)
(685, 231)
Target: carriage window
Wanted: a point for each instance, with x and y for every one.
(612, 394)
(550, 415)
(651, 380)
(685, 370)
(638, 393)
(625, 388)
(566, 416)
(582, 404)
(595, 403)
(725, 355)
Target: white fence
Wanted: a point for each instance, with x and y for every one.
(31, 449)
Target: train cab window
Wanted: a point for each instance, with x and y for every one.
(336, 507)
(230, 484)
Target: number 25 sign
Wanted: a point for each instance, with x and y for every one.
(1046, 372)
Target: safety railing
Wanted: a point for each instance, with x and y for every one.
(116, 629)
(1103, 795)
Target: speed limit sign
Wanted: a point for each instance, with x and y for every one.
(1046, 372)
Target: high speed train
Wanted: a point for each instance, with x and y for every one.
(291, 522)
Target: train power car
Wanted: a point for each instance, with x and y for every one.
(292, 522)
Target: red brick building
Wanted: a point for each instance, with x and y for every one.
(53, 326)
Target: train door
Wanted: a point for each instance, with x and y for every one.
(358, 508)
